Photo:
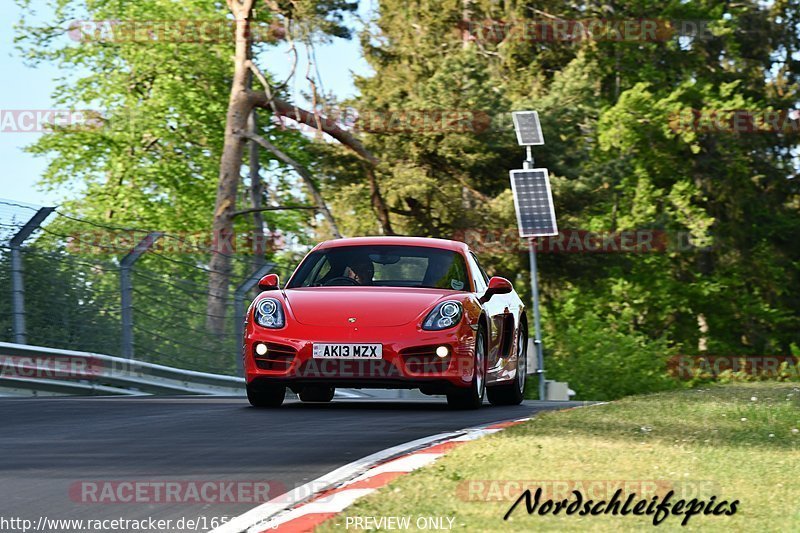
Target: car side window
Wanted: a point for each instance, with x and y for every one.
(477, 274)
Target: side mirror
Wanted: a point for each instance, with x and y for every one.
(270, 282)
(497, 285)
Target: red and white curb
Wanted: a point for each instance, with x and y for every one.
(309, 505)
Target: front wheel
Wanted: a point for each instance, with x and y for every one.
(472, 397)
(265, 396)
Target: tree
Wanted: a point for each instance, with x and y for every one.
(151, 87)
(319, 16)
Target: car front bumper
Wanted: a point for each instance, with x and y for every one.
(409, 357)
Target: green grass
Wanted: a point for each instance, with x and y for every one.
(737, 442)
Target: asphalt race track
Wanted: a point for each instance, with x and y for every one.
(49, 445)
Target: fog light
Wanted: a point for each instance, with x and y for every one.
(442, 351)
(261, 349)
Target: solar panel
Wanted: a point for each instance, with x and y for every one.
(533, 201)
(528, 128)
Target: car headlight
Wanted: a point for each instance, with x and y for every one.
(445, 315)
(269, 313)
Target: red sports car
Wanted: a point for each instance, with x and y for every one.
(387, 312)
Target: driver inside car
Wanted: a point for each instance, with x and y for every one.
(361, 271)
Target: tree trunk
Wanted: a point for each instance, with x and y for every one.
(239, 107)
(242, 101)
(258, 239)
(466, 15)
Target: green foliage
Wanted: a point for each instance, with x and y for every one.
(62, 309)
(620, 160)
(603, 359)
(316, 18)
(742, 440)
(150, 153)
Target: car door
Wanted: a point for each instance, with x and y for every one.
(496, 310)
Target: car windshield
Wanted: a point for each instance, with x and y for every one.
(383, 266)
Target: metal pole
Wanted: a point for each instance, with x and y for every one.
(126, 290)
(536, 320)
(238, 307)
(17, 284)
(126, 311)
(17, 295)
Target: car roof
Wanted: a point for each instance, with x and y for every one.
(426, 242)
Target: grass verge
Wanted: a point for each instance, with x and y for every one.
(734, 442)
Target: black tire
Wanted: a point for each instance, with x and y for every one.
(265, 396)
(514, 392)
(472, 396)
(317, 393)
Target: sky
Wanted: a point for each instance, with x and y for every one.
(24, 88)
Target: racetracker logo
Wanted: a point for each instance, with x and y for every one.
(461, 365)
(171, 31)
(577, 30)
(735, 121)
(174, 491)
(765, 366)
(572, 241)
(43, 120)
(397, 121)
(494, 490)
(423, 121)
(47, 366)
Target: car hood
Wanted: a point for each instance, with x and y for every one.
(370, 306)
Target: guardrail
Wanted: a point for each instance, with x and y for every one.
(35, 371)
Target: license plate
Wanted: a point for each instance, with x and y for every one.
(348, 351)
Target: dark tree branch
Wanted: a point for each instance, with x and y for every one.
(304, 174)
(274, 208)
(329, 126)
